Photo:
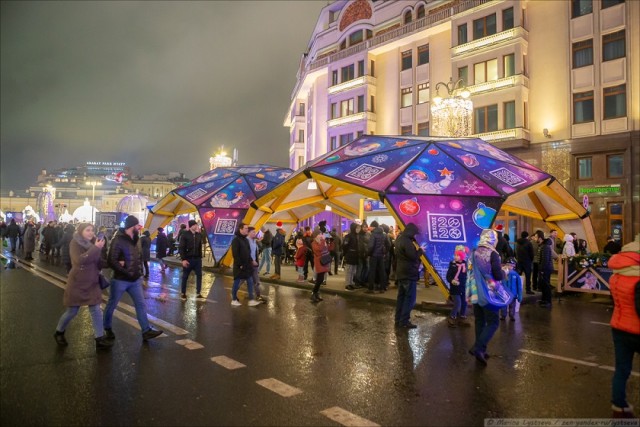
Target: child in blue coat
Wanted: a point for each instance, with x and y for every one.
(513, 282)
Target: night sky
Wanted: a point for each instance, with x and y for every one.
(158, 85)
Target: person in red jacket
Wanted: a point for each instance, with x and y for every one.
(625, 322)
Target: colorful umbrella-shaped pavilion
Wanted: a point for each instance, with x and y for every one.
(222, 197)
(451, 188)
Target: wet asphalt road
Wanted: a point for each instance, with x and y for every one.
(341, 352)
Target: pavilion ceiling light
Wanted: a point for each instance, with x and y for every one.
(453, 115)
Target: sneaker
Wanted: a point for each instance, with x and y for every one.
(108, 332)
(183, 296)
(199, 296)
(266, 273)
(350, 288)
(151, 334)
(300, 281)
(253, 303)
(235, 303)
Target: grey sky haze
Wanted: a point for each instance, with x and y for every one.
(158, 85)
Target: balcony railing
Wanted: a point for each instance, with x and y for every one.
(509, 34)
(352, 84)
(505, 134)
(506, 82)
(351, 118)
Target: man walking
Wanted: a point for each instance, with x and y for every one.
(524, 255)
(278, 250)
(125, 259)
(243, 265)
(408, 272)
(267, 237)
(190, 251)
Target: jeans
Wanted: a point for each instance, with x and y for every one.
(534, 276)
(487, 322)
(544, 285)
(277, 262)
(511, 309)
(349, 273)
(96, 319)
(134, 289)
(256, 281)
(459, 306)
(406, 301)
(236, 286)
(14, 243)
(625, 346)
(266, 259)
(195, 264)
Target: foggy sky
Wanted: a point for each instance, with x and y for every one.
(158, 85)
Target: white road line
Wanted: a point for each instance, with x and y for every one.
(346, 418)
(228, 363)
(284, 390)
(189, 344)
(576, 361)
(600, 323)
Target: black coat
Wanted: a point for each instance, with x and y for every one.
(190, 245)
(524, 250)
(145, 247)
(351, 246)
(407, 254)
(242, 261)
(124, 248)
(162, 244)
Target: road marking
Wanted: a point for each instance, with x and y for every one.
(190, 344)
(576, 361)
(279, 387)
(601, 323)
(346, 418)
(228, 363)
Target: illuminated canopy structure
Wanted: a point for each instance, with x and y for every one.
(221, 197)
(451, 188)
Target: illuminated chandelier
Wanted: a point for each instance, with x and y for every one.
(453, 115)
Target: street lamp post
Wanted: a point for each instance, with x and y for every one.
(93, 198)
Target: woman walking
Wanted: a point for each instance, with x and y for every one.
(320, 251)
(83, 287)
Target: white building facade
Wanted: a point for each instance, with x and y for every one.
(554, 82)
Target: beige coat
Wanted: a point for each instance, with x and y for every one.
(83, 287)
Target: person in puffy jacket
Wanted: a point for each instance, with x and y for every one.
(351, 251)
(625, 322)
(320, 249)
(407, 274)
(125, 259)
(547, 255)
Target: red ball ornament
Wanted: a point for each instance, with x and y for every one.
(279, 224)
(409, 207)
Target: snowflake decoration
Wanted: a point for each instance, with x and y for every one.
(380, 158)
(471, 187)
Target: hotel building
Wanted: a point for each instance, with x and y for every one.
(555, 83)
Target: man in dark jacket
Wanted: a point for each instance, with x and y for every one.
(524, 255)
(407, 273)
(378, 247)
(278, 247)
(547, 251)
(126, 261)
(190, 250)
(145, 248)
(351, 251)
(162, 244)
(243, 265)
(12, 233)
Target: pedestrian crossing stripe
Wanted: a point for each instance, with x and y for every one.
(227, 362)
(279, 387)
(189, 344)
(346, 418)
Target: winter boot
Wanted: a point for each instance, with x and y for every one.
(103, 342)
(453, 322)
(60, 339)
(618, 412)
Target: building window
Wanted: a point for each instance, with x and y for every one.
(420, 13)
(355, 37)
(407, 97)
(300, 161)
(486, 119)
(584, 168)
(609, 3)
(407, 17)
(507, 19)
(343, 44)
(525, 109)
(334, 110)
(372, 104)
(361, 68)
(372, 68)
(510, 115)
(463, 74)
(484, 26)
(407, 60)
(462, 34)
(582, 53)
(613, 46)
(423, 93)
(360, 103)
(583, 107)
(359, 133)
(334, 78)
(301, 109)
(423, 54)
(347, 73)
(406, 130)
(301, 135)
(423, 129)
(581, 7)
(346, 107)
(334, 143)
(615, 102)
(485, 71)
(615, 166)
(509, 65)
(345, 139)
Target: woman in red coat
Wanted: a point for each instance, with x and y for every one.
(320, 251)
(625, 322)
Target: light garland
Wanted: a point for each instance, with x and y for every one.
(452, 116)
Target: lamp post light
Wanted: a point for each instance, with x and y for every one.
(452, 115)
(93, 198)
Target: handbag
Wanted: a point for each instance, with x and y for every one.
(103, 281)
(325, 258)
(491, 294)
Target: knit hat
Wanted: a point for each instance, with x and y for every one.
(160, 229)
(374, 224)
(192, 222)
(499, 228)
(131, 221)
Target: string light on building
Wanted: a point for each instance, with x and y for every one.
(222, 160)
(452, 115)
